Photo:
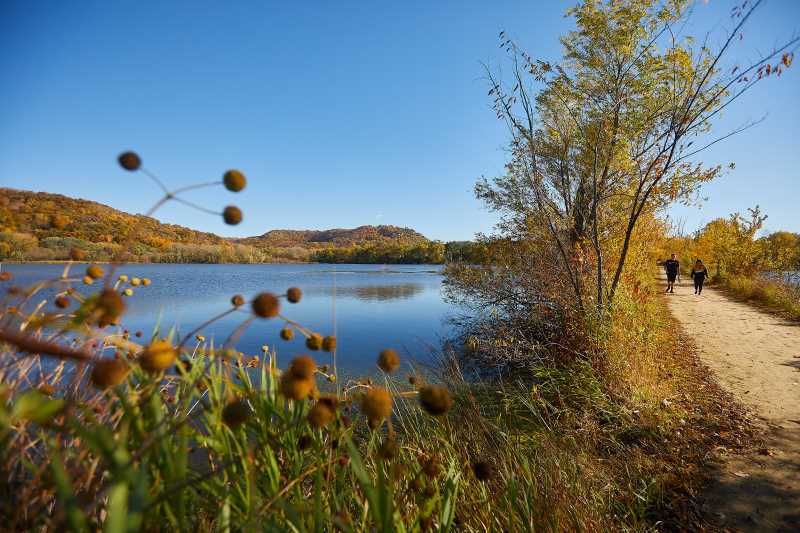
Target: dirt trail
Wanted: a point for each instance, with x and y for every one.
(756, 356)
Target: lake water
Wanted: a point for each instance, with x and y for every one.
(368, 307)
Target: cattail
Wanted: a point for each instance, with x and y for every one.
(376, 405)
(234, 180)
(314, 341)
(158, 356)
(435, 399)
(266, 305)
(108, 373)
(287, 334)
(232, 215)
(237, 300)
(130, 161)
(329, 343)
(294, 294)
(62, 302)
(483, 470)
(235, 413)
(320, 415)
(388, 360)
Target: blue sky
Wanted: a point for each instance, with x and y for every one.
(340, 114)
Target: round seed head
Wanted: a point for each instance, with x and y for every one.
(234, 180)
(302, 367)
(287, 334)
(62, 302)
(123, 277)
(294, 294)
(435, 399)
(235, 413)
(376, 404)
(76, 254)
(109, 307)
(146, 281)
(136, 282)
(47, 389)
(130, 161)
(128, 292)
(320, 415)
(87, 280)
(431, 466)
(107, 373)
(304, 442)
(388, 360)
(330, 400)
(483, 470)
(94, 272)
(158, 356)
(329, 343)
(293, 388)
(389, 450)
(266, 305)
(5, 276)
(314, 341)
(237, 300)
(232, 215)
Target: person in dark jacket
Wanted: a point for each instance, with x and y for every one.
(699, 275)
(673, 269)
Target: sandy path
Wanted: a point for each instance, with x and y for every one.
(756, 356)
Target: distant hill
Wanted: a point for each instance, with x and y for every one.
(45, 215)
(45, 226)
(284, 238)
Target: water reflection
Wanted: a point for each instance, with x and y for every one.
(376, 293)
(374, 306)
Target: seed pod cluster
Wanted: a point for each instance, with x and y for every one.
(435, 399)
(234, 180)
(266, 305)
(376, 405)
(158, 356)
(298, 380)
(388, 360)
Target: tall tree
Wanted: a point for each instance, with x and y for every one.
(611, 133)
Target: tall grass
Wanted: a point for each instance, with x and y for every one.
(104, 429)
(775, 295)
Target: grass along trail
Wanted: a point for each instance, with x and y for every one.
(755, 356)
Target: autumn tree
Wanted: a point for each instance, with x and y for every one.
(611, 133)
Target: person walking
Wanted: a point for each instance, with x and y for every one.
(673, 269)
(699, 275)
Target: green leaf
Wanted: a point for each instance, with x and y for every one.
(36, 407)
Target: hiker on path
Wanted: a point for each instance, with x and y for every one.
(699, 275)
(673, 269)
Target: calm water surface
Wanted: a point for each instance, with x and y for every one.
(370, 307)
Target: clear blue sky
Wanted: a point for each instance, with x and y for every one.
(340, 113)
